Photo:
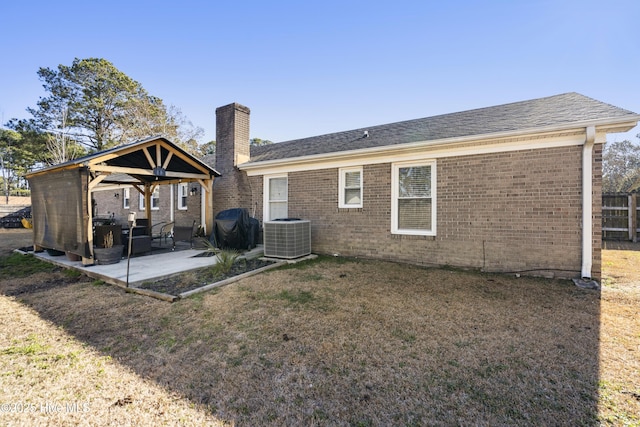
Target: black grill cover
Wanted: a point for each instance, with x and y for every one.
(234, 229)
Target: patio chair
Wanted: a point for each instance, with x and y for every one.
(185, 233)
(162, 232)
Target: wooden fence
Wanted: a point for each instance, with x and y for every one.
(620, 216)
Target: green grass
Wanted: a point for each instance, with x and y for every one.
(295, 297)
(311, 277)
(72, 273)
(18, 265)
(32, 347)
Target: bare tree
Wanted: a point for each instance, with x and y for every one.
(58, 142)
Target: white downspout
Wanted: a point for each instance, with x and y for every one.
(587, 202)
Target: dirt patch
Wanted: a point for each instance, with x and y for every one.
(14, 238)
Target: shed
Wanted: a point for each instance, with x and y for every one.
(61, 194)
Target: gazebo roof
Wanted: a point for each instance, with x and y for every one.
(154, 159)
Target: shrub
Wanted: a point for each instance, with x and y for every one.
(225, 260)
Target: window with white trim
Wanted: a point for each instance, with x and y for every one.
(350, 187)
(126, 198)
(155, 200)
(183, 191)
(276, 191)
(413, 192)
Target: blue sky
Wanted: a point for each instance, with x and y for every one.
(306, 68)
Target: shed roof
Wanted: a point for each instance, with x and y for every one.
(560, 111)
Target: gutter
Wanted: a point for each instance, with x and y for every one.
(587, 202)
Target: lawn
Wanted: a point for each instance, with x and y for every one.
(328, 342)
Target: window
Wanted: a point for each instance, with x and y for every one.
(275, 197)
(183, 190)
(155, 200)
(126, 198)
(350, 184)
(413, 208)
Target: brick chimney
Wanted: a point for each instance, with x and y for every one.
(232, 136)
(232, 188)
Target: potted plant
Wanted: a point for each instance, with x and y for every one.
(109, 253)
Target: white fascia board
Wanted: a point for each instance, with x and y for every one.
(404, 153)
(490, 143)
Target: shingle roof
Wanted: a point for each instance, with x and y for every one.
(558, 110)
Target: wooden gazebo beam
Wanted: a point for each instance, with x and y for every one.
(145, 172)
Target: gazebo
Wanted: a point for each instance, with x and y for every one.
(61, 194)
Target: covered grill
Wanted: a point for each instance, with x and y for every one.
(235, 229)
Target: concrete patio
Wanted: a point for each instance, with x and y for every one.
(144, 268)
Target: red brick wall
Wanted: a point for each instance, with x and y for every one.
(514, 211)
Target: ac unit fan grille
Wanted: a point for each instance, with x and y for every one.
(287, 239)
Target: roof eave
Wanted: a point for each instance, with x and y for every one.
(602, 125)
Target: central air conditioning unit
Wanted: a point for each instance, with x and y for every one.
(287, 238)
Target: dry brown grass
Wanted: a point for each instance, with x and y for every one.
(333, 342)
(619, 382)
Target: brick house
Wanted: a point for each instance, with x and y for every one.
(499, 188)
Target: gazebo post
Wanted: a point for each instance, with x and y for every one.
(147, 205)
(89, 261)
(91, 185)
(207, 185)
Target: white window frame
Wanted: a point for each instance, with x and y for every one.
(395, 170)
(265, 194)
(126, 198)
(342, 187)
(156, 192)
(183, 194)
